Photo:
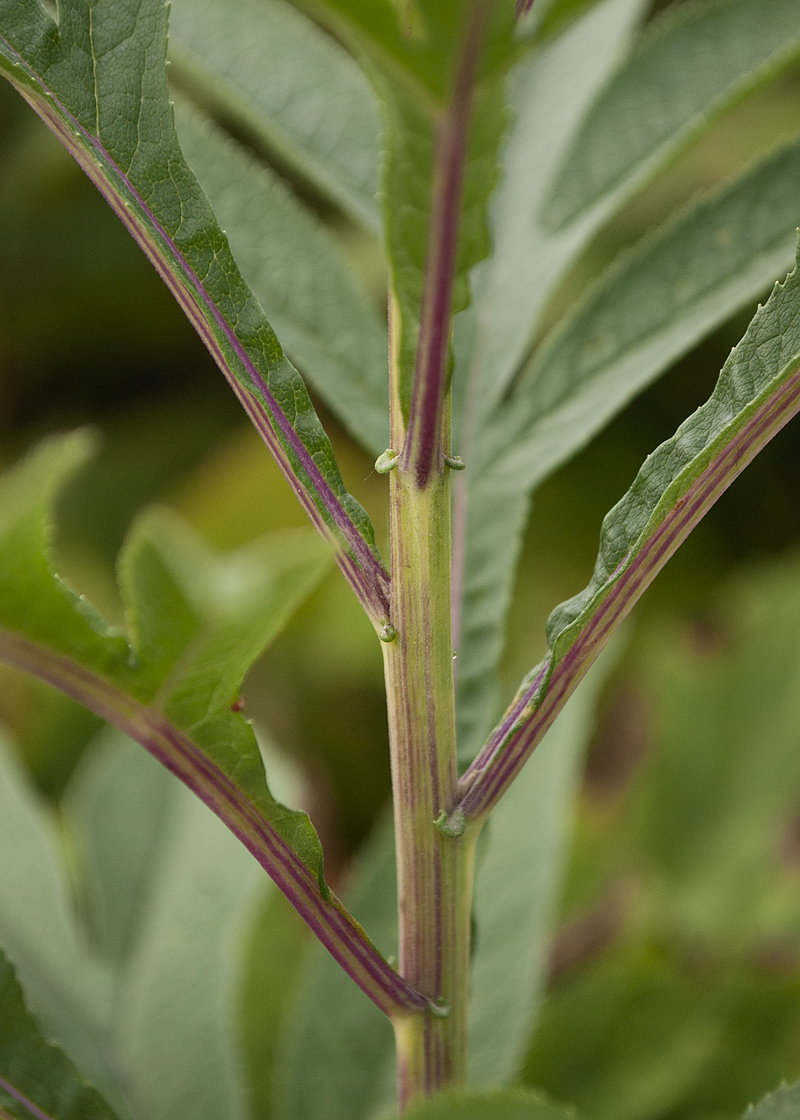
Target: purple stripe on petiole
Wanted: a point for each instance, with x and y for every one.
(373, 589)
(508, 749)
(20, 1098)
(326, 917)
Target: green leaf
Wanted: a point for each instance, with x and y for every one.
(196, 622)
(692, 65)
(172, 900)
(118, 807)
(783, 1104)
(67, 991)
(719, 790)
(413, 76)
(517, 889)
(738, 418)
(757, 393)
(647, 310)
(175, 1012)
(512, 1105)
(274, 953)
(549, 92)
(34, 1072)
(338, 1048)
(98, 79)
(274, 71)
(300, 277)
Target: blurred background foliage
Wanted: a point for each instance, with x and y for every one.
(675, 976)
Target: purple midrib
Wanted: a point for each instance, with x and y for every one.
(34, 1110)
(343, 522)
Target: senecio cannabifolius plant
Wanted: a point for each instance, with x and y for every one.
(494, 144)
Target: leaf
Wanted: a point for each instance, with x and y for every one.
(512, 1105)
(67, 991)
(780, 1105)
(414, 76)
(37, 1079)
(99, 81)
(692, 65)
(311, 104)
(300, 277)
(721, 785)
(175, 897)
(517, 888)
(337, 1048)
(549, 92)
(275, 950)
(647, 310)
(659, 299)
(195, 623)
(175, 1012)
(757, 393)
(119, 807)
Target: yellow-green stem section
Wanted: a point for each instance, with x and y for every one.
(435, 870)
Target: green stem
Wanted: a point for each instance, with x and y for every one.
(434, 861)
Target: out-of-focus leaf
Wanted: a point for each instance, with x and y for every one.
(300, 277)
(640, 1032)
(510, 1105)
(294, 87)
(719, 791)
(516, 893)
(648, 309)
(35, 1073)
(175, 1015)
(692, 65)
(274, 954)
(549, 92)
(339, 1050)
(119, 807)
(783, 1104)
(67, 991)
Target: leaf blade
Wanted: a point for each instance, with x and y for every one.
(688, 69)
(780, 1105)
(300, 278)
(548, 92)
(36, 1078)
(758, 392)
(516, 893)
(216, 755)
(112, 112)
(312, 103)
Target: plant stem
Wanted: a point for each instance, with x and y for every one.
(434, 869)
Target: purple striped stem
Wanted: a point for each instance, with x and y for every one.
(20, 1098)
(523, 7)
(531, 713)
(360, 566)
(338, 931)
(422, 454)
